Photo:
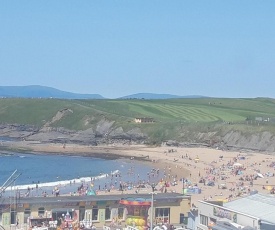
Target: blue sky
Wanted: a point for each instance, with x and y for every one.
(116, 48)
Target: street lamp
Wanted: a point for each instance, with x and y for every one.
(72, 213)
(152, 205)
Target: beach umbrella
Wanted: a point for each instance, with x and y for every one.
(91, 192)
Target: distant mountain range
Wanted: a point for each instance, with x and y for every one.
(157, 96)
(37, 91)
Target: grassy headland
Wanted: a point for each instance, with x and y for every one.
(172, 116)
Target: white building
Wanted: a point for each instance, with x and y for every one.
(256, 211)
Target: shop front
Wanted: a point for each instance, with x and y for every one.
(212, 216)
(76, 212)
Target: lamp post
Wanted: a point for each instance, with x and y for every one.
(46, 215)
(72, 214)
(88, 222)
(152, 206)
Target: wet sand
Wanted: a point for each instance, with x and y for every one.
(192, 164)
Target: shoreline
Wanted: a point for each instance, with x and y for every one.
(178, 163)
(103, 152)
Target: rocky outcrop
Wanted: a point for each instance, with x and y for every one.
(106, 132)
(264, 141)
(17, 130)
(103, 128)
(84, 137)
(59, 115)
(233, 140)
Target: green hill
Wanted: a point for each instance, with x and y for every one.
(172, 117)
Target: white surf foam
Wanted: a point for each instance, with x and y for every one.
(63, 183)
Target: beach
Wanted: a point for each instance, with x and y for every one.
(218, 175)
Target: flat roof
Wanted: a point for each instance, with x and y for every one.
(258, 205)
(71, 199)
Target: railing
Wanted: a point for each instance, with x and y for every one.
(16, 227)
(119, 228)
(116, 228)
(86, 223)
(53, 224)
(40, 228)
(131, 228)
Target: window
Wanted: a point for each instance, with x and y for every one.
(81, 213)
(121, 213)
(13, 216)
(107, 213)
(204, 220)
(213, 220)
(41, 211)
(95, 213)
(162, 215)
(27, 214)
(87, 216)
(143, 212)
(183, 219)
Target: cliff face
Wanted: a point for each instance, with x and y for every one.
(106, 133)
(229, 140)
(264, 141)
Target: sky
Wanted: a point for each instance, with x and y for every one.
(121, 47)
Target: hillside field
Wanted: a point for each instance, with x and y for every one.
(171, 116)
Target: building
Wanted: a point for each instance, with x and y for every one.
(256, 211)
(28, 213)
(144, 120)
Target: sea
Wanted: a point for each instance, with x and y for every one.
(40, 173)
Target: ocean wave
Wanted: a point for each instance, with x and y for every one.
(63, 183)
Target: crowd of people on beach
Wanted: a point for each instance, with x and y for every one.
(224, 177)
(111, 183)
(236, 176)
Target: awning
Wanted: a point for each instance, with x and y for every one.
(225, 225)
(217, 227)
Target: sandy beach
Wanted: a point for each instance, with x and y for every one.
(231, 174)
